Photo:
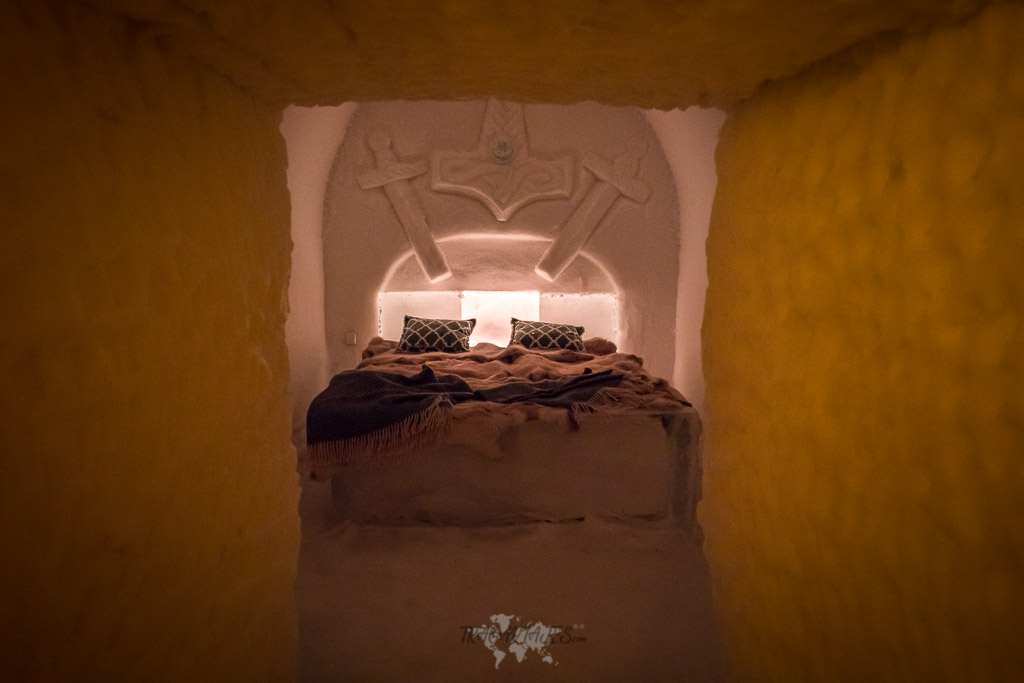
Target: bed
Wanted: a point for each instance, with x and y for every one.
(496, 435)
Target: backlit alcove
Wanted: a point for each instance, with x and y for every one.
(636, 242)
(492, 279)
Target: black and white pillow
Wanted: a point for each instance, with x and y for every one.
(429, 334)
(540, 335)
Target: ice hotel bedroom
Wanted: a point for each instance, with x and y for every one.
(490, 331)
(862, 500)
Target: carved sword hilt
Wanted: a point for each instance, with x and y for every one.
(614, 179)
(393, 176)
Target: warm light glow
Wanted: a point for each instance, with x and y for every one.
(597, 313)
(394, 306)
(493, 310)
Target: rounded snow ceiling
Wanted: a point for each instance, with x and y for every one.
(653, 54)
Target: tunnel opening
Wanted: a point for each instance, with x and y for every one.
(493, 277)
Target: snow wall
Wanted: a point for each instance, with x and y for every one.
(146, 463)
(862, 352)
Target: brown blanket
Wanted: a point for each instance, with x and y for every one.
(487, 366)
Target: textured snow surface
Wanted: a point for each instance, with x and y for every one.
(148, 498)
(862, 346)
(390, 603)
(651, 54)
(864, 497)
(612, 467)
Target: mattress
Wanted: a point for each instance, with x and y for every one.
(505, 435)
(639, 466)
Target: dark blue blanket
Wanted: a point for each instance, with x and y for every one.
(359, 402)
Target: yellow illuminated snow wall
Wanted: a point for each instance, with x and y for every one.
(148, 495)
(864, 358)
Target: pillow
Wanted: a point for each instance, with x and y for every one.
(540, 335)
(428, 334)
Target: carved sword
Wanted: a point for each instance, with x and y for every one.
(614, 179)
(393, 176)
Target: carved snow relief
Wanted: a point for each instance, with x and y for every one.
(393, 176)
(614, 179)
(500, 172)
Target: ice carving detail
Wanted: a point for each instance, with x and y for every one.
(393, 176)
(615, 179)
(500, 172)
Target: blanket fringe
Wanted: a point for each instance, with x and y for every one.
(419, 429)
(608, 397)
(428, 426)
(614, 397)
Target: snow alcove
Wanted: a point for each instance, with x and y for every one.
(493, 280)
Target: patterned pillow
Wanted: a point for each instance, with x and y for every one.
(539, 335)
(428, 334)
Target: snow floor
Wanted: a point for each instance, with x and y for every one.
(392, 603)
